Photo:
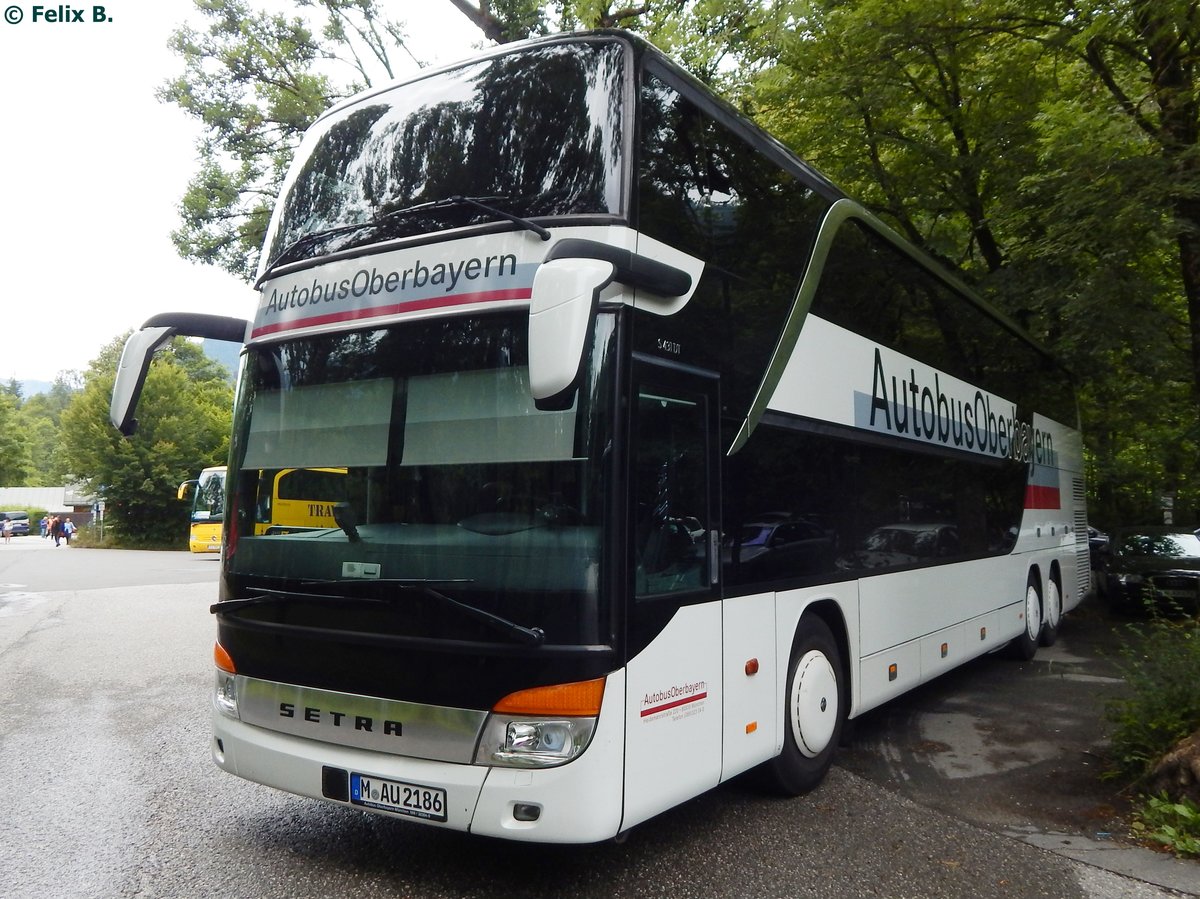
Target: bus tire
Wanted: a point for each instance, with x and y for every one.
(1025, 645)
(1051, 612)
(815, 703)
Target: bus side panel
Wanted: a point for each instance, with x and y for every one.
(909, 605)
(752, 697)
(886, 674)
(673, 714)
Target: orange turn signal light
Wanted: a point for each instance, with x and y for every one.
(577, 700)
(222, 659)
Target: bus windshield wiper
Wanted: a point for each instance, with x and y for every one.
(289, 253)
(531, 636)
(266, 597)
(478, 203)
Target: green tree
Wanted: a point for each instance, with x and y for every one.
(15, 463)
(1142, 61)
(39, 419)
(185, 419)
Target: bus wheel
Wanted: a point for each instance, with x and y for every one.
(1024, 647)
(815, 709)
(1052, 614)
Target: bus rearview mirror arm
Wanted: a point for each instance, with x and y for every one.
(140, 348)
(562, 308)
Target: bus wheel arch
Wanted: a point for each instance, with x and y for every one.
(1052, 607)
(1024, 646)
(816, 699)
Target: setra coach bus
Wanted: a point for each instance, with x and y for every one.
(662, 457)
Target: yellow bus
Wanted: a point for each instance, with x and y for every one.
(288, 507)
(207, 494)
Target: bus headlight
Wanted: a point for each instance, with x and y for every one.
(533, 744)
(225, 696)
(541, 727)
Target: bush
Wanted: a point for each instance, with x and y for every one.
(1175, 825)
(1160, 663)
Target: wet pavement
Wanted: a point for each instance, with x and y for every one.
(983, 783)
(1020, 748)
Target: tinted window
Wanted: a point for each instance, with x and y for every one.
(850, 509)
(536, 133)
(870, 287)
(706, 189)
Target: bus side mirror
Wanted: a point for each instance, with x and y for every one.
(187, 490)
(140, 347)
(131, 376)
(565, 296)
(562, 310)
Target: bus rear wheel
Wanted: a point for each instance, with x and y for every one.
(1025, 645)
(815, 710)
(1052, 613)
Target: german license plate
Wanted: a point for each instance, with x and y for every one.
(399, 797)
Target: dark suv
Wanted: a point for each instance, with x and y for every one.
(20, 522)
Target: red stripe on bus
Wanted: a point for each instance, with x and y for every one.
(1042, 497)
(673, 705)
(461, 299)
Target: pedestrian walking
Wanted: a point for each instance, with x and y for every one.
(7, 527)
(56, 529)
(68, 530)
(44, 526)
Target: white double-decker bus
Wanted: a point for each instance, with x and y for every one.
(662, 457)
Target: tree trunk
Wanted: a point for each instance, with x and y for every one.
(1178, 772)
(1189, 263)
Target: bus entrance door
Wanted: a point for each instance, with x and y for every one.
(673, 710)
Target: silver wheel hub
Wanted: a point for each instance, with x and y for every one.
(1033, 612)
(1053, 605)
(813, 702)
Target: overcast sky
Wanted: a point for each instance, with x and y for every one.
(92, 168)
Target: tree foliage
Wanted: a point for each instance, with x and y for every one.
(15, 462)
(185, 416)
(40, 420)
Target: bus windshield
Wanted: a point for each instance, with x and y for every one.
(208, 503)
(436, 473)
(379, 169)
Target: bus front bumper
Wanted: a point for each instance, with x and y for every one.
(580, 802)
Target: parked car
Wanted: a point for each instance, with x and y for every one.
(772, 549)
(898, 545)
(1153, 566)
(20, 521)
(1097, 547)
